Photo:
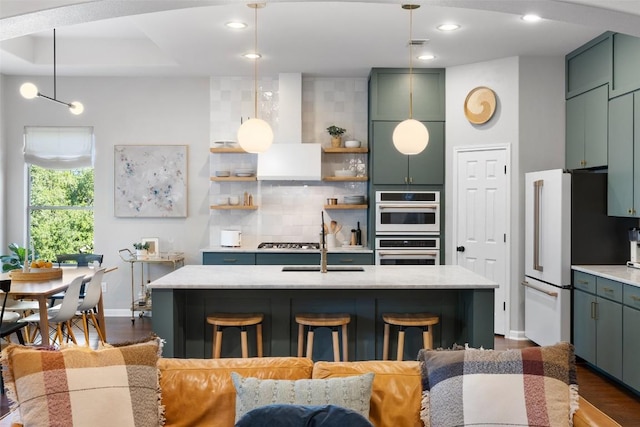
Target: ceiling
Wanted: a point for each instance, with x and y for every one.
(319, 38)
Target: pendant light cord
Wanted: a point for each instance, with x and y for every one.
(255, 64)
(410, 63)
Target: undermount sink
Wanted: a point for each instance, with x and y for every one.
(317, 268)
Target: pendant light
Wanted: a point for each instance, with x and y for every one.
(30, 91)
(410, 136)
(255, 135)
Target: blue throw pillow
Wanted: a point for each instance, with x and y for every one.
(285, 415)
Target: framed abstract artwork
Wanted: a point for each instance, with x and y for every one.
(150, 180)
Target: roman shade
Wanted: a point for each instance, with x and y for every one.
(55, 147)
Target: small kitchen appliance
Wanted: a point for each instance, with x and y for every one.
(231, 238)
(634, 243)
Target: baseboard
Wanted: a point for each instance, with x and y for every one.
(516, 335)
(123, 312)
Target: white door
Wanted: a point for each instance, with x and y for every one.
(480, 219)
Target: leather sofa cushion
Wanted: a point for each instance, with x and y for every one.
(199, 392)
(396, 394)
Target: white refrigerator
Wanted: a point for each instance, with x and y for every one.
(547, 281)
(566, 224)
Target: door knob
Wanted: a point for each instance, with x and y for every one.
(460, 248)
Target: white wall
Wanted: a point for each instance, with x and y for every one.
(529, 118)
(123, 111)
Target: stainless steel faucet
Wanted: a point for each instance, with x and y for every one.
(323, 249)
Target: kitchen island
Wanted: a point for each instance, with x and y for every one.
(182, 299)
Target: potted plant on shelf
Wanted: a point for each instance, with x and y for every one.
(141, 249)
(336, 135)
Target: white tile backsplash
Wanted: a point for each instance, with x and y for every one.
(288, 211)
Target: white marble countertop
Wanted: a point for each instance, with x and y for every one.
(272, 277)
(621, 273)
(337, 250)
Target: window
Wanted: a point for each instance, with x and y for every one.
(61, 189)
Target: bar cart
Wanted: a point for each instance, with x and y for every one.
(143, 303)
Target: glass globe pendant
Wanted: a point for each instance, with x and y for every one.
(410, 137)
(255, 135)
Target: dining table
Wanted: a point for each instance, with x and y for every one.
(42, 290)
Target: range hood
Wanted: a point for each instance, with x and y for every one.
(288, 158)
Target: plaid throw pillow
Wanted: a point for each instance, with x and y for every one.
(532, 386)
(78, 386)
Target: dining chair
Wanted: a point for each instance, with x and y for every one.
(62, 313)
(9, 320)
(79, 260)
(87, 306)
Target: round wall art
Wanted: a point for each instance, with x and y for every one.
(480, 105)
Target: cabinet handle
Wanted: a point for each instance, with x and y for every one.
(410, 180)
(406, 181)
(594, 314)
(607, 289)
(630, 211)
(230, 260)
(347, 261)
(635, 298)
(582, 282)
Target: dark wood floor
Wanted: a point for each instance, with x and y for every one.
(614, 400)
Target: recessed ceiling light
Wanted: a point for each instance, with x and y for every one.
(448, 27)
(531, 18)
(426, 57)
(252, 55)
(236, 25)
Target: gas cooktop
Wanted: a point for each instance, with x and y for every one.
(288, 245)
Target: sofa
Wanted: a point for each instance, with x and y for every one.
(200, 392)
(192, 387)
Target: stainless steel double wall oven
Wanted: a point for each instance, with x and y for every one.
(407, 227)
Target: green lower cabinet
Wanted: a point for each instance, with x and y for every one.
(228, 258)
(584, 325)
(349, 259)
(609, 337)
(623, 196)
(631, 350)
(287, 259)
(389, 166)
(597, 323)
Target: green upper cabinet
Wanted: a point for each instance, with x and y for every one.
(623, 183)
(589, 66)
(389, 166)
(626, 64)
(389, 94)
(586, 129)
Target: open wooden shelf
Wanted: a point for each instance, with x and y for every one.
(233, 178)
(344, 206)
(234, 207)
(333, 150)
(345, 178)
(227, 150)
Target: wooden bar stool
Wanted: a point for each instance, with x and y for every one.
(407, 320)
(220, 321)
(327, 320)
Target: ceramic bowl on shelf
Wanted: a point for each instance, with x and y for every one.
(245, 172)
(345, 173)
(352, 144)
(354, 200)
(222, 173)
(222, 201)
